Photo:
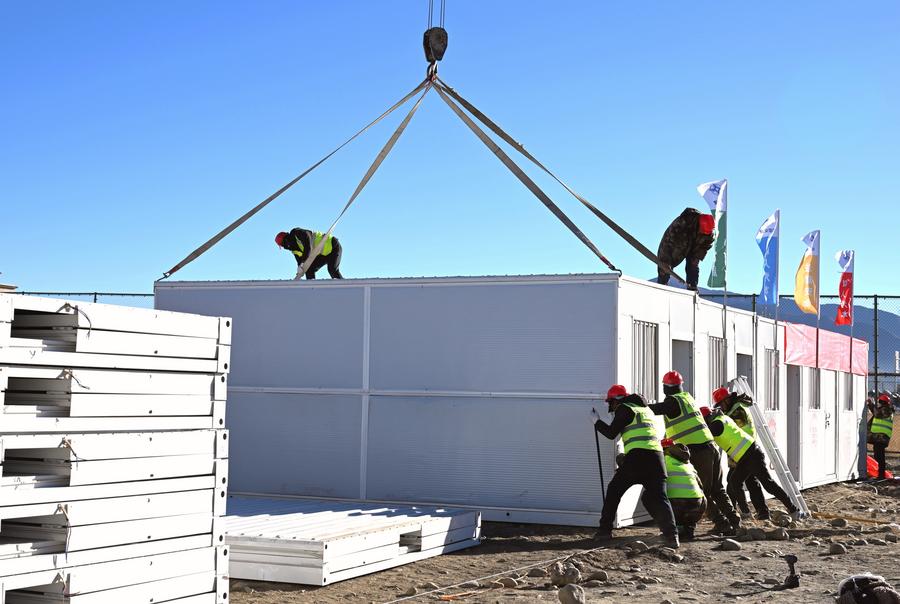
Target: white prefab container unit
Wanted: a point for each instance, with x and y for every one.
(471, 391)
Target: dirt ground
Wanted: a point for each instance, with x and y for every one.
(868, 514)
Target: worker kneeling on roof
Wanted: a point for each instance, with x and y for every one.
(642, 464)
(683, 488)
(688, 239)
(747, 457)
(737, 407)
(301, 243)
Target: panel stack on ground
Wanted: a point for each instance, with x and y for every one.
(113, 454)
(320, 542)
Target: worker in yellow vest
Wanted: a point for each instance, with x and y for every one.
(737, 407)
(748, 458)
(683, 489)
(685, 425)
(300, 242)
(881, 427)
(642, 464)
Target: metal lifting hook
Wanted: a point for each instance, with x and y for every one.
(435, 44)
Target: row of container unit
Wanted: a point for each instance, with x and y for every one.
(113, 454)
(476, 392)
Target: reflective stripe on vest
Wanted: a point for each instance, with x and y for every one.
(317, 237)
(883, 425)
(640, 433)
(688, 428)
(733, 440)
(682, 481)
(747, 426)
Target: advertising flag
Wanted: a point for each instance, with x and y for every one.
(806, 283)
(845, 259)
(716, 195)
(767, 240)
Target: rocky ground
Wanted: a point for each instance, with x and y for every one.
(856, 530)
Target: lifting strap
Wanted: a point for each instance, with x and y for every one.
(231, 227)
(530, 184)
(365, 179)
(442, 86)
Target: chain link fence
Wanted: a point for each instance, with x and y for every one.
(876, 319)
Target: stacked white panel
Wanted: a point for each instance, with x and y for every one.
(113, 454)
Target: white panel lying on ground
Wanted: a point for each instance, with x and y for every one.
(319, 542)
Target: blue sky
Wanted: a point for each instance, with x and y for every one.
(134, 131)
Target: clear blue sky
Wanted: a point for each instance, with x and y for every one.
(134, 131)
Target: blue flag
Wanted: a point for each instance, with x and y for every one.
(767, 239)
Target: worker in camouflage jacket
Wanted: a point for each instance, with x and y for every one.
(688, 239)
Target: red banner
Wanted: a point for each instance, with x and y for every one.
(845, 291)
(835, 350)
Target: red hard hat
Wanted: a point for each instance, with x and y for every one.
(884, 398)
(666, 442)
(707, 224)
(279, 238)
(673, 378)
(720, 394)
(704, 411)
(615, 392)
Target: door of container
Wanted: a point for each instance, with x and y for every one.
(683, 363)
(794, 419)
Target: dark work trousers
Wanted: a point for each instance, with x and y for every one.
(707, 461)
(878, 454)
(332, 260)
(753, 463)
(646, 468)
(691, 270)
(755, 494)
(688, 513)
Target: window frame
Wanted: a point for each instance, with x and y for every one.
(644, 352)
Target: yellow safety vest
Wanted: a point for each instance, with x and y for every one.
(747, 426)
(733, 440)
(682, 481)
(317, 237)
(883, 425)
(688, 428)
(641, 432)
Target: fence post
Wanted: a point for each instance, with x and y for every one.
(753, 302)
(875, 340)
(95, 296)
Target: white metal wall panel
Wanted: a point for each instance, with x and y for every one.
(296, 336)
(494, 338)
(743, 331)
(849, 426)
(503, 452)
(294, 444)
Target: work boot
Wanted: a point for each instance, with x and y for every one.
(764, 515)
(686, 533)
(603, 535)
(671, 541)
(724, 528)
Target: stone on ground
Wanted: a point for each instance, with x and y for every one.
(571, 594)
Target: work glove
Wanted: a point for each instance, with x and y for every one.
(595, 417)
